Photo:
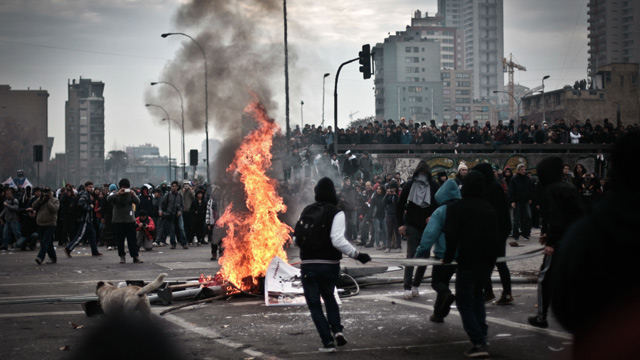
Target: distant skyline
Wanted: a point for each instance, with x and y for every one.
(44, 44)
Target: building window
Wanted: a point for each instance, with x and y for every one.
(407, 49)
(415, 89)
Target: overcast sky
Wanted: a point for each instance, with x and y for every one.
(44, 43)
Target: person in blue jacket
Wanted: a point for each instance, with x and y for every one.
(433, 236)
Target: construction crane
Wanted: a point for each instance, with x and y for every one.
(351, 115)
(509, 66)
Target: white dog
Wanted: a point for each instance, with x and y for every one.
(126, 300)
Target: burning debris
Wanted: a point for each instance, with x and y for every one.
(255, 235)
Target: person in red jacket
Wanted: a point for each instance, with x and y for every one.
(145, 230)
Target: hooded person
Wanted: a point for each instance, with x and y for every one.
(433, 236)
(498, 200)
(416, 204)
(560, 205)
(472, 239)
(604, 326)
(319, 233)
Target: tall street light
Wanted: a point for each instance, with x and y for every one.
(544, 113)
(182, 127)
(514, 98)
(301, 115)
(323, 79)
(206, 96)
(169, 122)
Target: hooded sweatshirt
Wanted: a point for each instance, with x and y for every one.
(433, 234)
(471, 227)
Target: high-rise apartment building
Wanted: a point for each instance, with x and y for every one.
(407, 78)
(614, 33)
(84, 133)
(23, 124)
(481, 22)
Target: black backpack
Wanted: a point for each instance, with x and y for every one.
(314, 226)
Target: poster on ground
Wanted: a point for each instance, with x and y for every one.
(283, 285)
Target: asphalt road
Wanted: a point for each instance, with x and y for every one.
(379, 324)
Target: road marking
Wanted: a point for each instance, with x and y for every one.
(558, 334)
(56, 313)
(213, 335)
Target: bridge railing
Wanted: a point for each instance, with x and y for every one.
(476, 148)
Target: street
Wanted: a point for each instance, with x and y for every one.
(379, 323)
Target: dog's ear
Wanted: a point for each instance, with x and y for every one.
(100, 284)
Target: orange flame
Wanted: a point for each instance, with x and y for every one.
(254, 237)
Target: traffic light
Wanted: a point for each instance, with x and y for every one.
(193, 157)
(37, 153)
(365, 61)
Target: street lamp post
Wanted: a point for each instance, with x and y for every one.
(544, 113)
(206, 96)
(182, 127)
(514, 98)
(301, 115)
(169, 122)
(323, 79)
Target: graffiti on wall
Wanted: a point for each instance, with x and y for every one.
(406, 166)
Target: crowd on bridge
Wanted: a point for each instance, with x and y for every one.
(503, 133)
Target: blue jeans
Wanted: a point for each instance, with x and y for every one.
(521, 219)
(128, 231)
(12, 227)
(414, 236)
(46, 244)
(169, 227)
(319, 280)
(380, 232)
(470, 282)
(30, 241)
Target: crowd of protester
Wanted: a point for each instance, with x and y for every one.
(104, 216)
(504, 133)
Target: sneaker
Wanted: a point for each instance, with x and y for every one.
(340, 339)
(415, 291)
(407, 295)
(504, 300)
(488, 296)
(122, 260)
(514, 244)
(538, 321)
(97, 254)
(136, 260)
(436, 319)
(172, 247)
(109, 247)
(154, 244)
(525, 237)
(185, 246)
(387, 250)
(39, 261)
(67, 252)
(331, 347)
(477, 352)
(378, 247)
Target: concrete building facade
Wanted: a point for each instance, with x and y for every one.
(482, 24)
(84, 131)
(407, 78)
(617, 96)
(23, 124)
(614, 33)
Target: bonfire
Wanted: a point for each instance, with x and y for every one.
(255, 234)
